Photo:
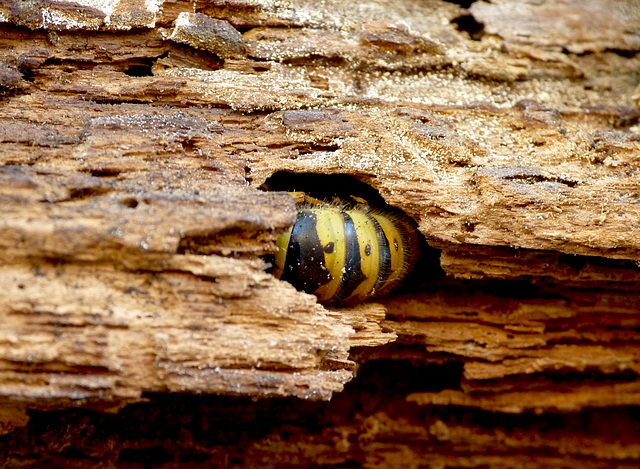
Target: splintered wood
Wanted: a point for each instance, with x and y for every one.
(135, 141)
(106, 299)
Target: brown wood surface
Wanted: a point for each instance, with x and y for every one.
(139, 322)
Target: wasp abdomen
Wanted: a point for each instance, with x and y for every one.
(345, 255)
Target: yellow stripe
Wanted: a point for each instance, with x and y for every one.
(396, 247)
(370, 264)
(282, 243)
(330, 229)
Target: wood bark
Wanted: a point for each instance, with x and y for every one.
(140, 324)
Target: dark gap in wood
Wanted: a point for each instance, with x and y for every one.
(469, 25)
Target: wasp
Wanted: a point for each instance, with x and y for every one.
(346, 253)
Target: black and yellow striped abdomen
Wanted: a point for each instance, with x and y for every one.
(346, 255)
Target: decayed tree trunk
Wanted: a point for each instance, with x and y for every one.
(140, 324)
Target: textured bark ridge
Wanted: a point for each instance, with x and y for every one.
(140, 324)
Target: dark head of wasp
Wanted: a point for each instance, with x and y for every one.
(346, 251)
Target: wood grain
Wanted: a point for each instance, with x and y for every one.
(135, 139)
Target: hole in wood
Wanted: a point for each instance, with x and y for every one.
(468, 24)
(327, 254)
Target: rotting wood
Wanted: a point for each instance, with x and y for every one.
(132, 232)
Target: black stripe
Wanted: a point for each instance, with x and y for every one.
(384, 269)
(353, 275)
(305, 267)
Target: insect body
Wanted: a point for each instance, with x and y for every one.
(345, 255)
